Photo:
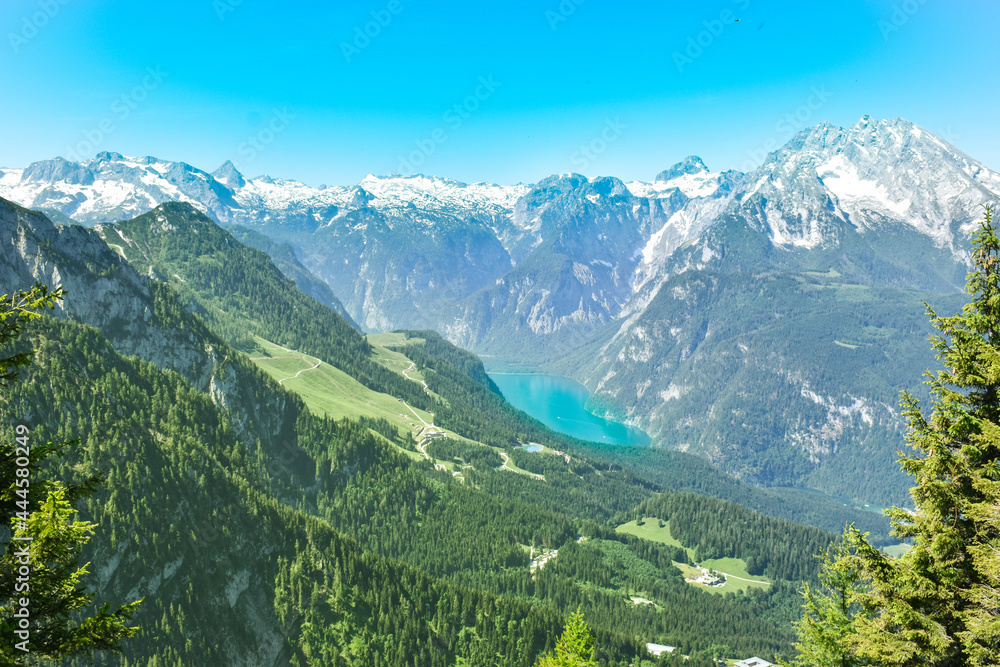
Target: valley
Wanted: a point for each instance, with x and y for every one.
(400, 443)
(677, 302)
(309, 370)
(329, 392)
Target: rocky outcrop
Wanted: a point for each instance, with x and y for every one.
(139, 316)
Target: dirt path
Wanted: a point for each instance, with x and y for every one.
(304, 370)
(121, 250)
(416, 415)
(421, 448)
(413, 366)
(292, 354)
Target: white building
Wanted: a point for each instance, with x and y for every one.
(753, 662)
(659, 649)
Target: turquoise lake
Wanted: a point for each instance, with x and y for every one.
(558, 402)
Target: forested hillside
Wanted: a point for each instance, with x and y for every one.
(230, 504)
(283, 256)
(719, 529)
(189, 519)
(780, 356)
(239, 292)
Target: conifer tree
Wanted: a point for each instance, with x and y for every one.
(938, 604)
(575, 647)
(42, 594)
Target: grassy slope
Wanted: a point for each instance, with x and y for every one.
(329, 391)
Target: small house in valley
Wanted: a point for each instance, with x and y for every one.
(753, 662)
(659, 649)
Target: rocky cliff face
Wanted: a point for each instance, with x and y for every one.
(776, 339)
(139, 316)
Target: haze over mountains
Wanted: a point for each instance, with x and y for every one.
(765, 320)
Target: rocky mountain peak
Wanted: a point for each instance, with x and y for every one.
(866, 175)
(58, 170)
(229, 175)
(109, 156)
(692, 164)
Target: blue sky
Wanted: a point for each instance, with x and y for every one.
(483, 91)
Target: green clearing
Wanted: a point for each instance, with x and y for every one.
(394, 361)
(737, 568)
(330, 391)
(651, 530)
(851, 293)
(830, 273)
(398, 362)
(513, 468)
(394, 339)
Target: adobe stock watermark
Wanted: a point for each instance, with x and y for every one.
(901, 14)
(562, 12)
(698, 43)
(453, 119)
(788, 126)
(120, 110)
(364, 34)
(21, 618)
(584, 156)
(223, 7)
(949, 135)
(264, 137)
(33, 23)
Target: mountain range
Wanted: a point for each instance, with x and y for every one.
(764, 320)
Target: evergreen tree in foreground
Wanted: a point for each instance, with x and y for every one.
(575, 647)
(41, 590)
(939, 604)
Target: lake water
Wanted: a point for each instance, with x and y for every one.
(558, 402)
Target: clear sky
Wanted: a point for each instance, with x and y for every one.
(499, 91)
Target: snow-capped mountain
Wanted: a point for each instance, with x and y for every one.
(875, 179)
(418, 251)
(872, 174)
(400, 251)
(112, 187)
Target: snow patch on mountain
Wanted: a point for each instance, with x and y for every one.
(434, 193)
(842, 179)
